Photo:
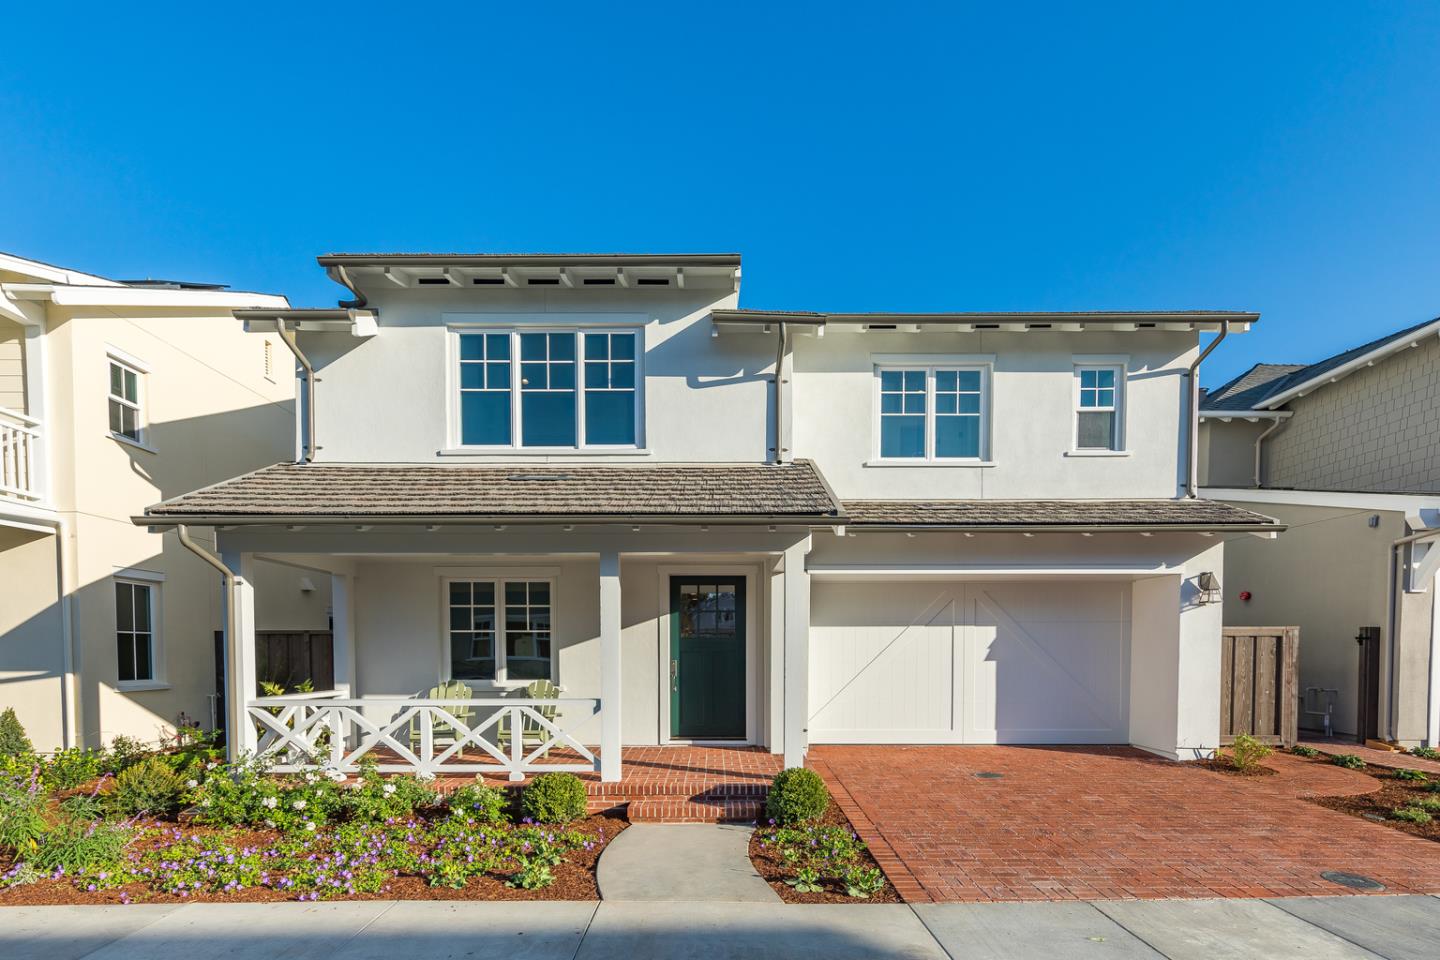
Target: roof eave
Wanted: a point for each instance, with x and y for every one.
(1345, 369)
(529, 259)
(1074, 527)
(450, 519)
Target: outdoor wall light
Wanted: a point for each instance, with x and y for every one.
(1209, 587)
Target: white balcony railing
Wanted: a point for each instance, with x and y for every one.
(19, 452)
(492, 735)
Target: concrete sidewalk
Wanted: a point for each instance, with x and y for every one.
(1346, 928)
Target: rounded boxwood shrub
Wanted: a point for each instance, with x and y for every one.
(554, 798)
(797, 795)
(149, 786)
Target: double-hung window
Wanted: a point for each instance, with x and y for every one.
(500, 629)
(932, 413)
(1099, 397)
(125, 419)
(549, 389)
(135, 631)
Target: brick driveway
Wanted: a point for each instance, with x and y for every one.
(1068, 823)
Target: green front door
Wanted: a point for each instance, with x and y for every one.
(707, 657)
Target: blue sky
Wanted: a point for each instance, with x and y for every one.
(1277, 157)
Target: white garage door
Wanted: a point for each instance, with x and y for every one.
(937, 662)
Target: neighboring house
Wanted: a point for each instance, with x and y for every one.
(1347, 452)
(114, 394)
(715, 524)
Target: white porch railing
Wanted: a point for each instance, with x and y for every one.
(408, 735)
(19, 448)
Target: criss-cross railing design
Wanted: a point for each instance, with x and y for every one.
(481, 735)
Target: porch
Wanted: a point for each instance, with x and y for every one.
(436, 657)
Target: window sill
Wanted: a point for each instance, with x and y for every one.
(929, 463)
(140, 686)
(543, 452)
(137, 444)
(1097, 453)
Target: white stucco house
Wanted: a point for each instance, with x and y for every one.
(714, 524)
(114, 394)
(1347, 452)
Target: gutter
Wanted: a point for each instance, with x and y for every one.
(234, 712)
(344, 279)
(1192, 412)
(782, 338)
(1345, 369)
(310, 446)
(452, 520)
(1072, 528)
(1396, 585)
(1279, 422)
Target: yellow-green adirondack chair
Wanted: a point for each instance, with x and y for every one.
(442, 732)
(532, 732)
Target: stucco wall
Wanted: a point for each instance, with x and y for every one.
(1375, 430)
(31, 657)
(1227, 452)
(283, 603)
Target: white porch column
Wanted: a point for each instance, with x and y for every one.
(797, 654)
(342, 629)
(610, 686)
(240, 654)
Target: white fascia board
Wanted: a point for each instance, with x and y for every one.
(1246, 414)
(144, 297)
(1399, 502)
(852, 572)
(50, 273)
(1359, 363)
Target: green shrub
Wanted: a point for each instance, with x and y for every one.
(75, 767)
(22, 815)
(1300, 750)
(149, 786)
(75, 846)
(553, 798)
(1428, 804)
(479, 803)
(13, 741)
(377, 798)
(797, 795)
(125, 752)
(1411, 815)
(1416, 775)
(1247, 752)
(1349, 761)
(1425, 753)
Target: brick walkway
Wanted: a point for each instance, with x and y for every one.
(1110, 822)
(1376, 758)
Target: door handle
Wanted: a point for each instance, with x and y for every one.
(675, 675)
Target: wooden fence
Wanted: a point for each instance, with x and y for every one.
(290, 657)
(1260, 684)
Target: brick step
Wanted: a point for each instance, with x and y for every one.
(708, 788)
(677, 810)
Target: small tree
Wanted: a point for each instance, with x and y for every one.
(1247, 752)
(13, 741)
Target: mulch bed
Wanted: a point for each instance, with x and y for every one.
(1223, 765)
(768, 865)
(1379, 804)
(574, 880)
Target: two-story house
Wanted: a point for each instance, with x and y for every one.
(710, 524)
(1347, 452)
(113, 394)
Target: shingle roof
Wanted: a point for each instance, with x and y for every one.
(353, 490)
(1265, 380)
(1051, 513)
(1250, 388)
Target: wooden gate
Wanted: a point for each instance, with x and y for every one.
(1260, 684)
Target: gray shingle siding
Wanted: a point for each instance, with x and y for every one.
(1376, 430)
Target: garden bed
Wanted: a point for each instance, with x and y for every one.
(810, 844)
(1392, 794)
(1224, 765)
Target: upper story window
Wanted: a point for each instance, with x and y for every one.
(125, 411)
(1099, 397)
(932, 413)
(546, 389)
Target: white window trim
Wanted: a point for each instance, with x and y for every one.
(114, 355)
(516, 448)
(153, 582)
(1119, 365)
(498, 576)
(930, 364)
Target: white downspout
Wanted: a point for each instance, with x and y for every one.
(1279, 422)
(783, 332)
(311, 446)
(1192, 417)
(234, 712)
(70, 714)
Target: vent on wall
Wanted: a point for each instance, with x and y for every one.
(599, 281)
(653, 281)
(488, 281)
(544, 281)
(433, 281)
